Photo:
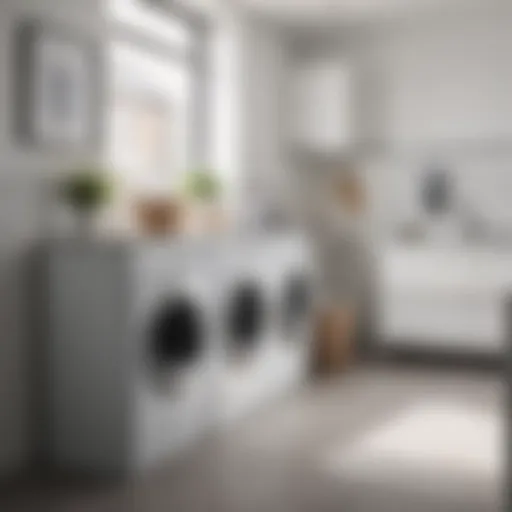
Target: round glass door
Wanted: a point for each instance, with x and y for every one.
(177, 334)
(296, 302)
(246, 312)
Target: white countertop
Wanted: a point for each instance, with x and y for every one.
(479, 269)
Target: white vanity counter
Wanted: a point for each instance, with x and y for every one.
(444, 297)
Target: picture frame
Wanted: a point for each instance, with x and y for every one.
(56, 83)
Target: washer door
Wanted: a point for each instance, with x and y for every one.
(246, 316)
(296, 302)
(177, 334)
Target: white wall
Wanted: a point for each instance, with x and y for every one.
(227, 114)
(248, 117)
(443, 96)
(264, 76)
(439, 81)
(25, 213)
(431, 90)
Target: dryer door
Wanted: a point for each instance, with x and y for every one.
(246, 316)
(296, 302)
(177, 334)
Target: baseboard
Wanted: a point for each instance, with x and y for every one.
(439, 357)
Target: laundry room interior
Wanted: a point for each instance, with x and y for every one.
(255, 255)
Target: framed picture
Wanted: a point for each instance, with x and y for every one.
(55, 85)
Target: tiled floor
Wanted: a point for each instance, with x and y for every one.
(378, 440)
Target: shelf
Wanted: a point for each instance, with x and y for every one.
(494, 148)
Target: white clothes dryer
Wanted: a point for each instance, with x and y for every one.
(131, 350)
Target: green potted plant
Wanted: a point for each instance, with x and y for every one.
(86, 190)
(202, 186)
(202, 191)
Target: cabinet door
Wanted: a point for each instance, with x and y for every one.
(320, 112)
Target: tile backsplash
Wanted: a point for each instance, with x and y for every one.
(480, 208)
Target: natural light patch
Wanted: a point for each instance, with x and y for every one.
(149, 119)
(432, 445)
(141, 16)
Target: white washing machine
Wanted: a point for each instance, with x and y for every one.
(131, 353)
(261, 362)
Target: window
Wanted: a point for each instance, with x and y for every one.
(150, 101)
(149, 118)
(143, 16)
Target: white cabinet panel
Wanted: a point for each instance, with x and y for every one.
(444, 321)
(445, 299)
(320, 113)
